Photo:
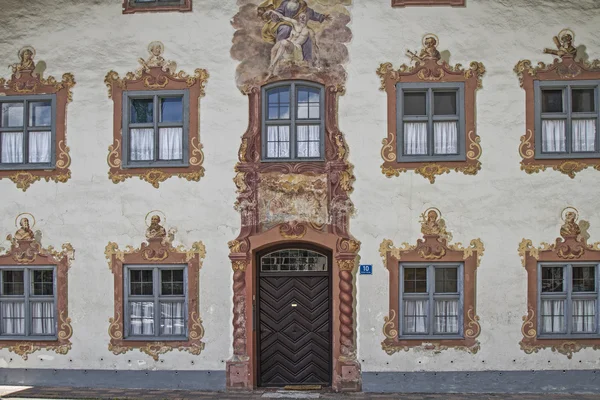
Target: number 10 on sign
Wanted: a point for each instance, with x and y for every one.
(366, 269)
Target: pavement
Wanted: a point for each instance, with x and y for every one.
(67, 393)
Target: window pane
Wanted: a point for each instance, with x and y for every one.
(278, 141)
(415, 280)
(309, 103)
(553, 316)
(13, 318)
(444, 103)
(584, 134)
(171, 143)
(40, 113)
(142, 111)
(446, 280)
(415, 103)
(415, 316)
(553, 135)
(308, 137)
(278, 103)
(552, 101)
(583, 100)
(42, 282)
(172, 319)
(141, 146)
(40, 147)
(584, 316)
(141, 318)
(42, 318)
(171, 282)
(446, 316)
(12, 147)
(552, 279)
(141, 282)
(293, 260)
(12, 115)
(445, 137)
(13, 283)
(415, 138)
(171, 109)
(584, 279)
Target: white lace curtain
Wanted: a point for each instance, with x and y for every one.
(445, 137)
(446, 316)
(278, 141)
(172, 319)
(141, 321)
(171, 144)
(142, 144)
(308, 137)
(12, 147)
(42, 314)
(553, 316)
(13, 318)
(39, 147)
(584, 134)
(415, 316)
(553, 135)
(584, 316)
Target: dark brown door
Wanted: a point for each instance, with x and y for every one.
(294, 318)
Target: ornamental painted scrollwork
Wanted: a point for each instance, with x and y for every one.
(571, 246)
(26, 250)
(435, 246)
(568, 65)
(157, 250)
(27, 79)
(428, 66)
(156, 74)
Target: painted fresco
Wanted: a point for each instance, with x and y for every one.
(290, 39)
(292, 197)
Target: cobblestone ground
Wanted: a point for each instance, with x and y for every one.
(78, 393)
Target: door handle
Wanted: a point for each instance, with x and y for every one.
(294, 305)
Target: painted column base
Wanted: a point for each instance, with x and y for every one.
(349, 378)
(238, 375)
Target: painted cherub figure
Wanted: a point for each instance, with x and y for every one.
(26, 55)
(428, 52)
(156, 59)
(564, 45)
(155, 230)
(433, 224)
(24, 232)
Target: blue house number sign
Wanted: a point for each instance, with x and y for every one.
(366, 269)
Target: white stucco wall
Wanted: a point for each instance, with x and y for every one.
(501, 205)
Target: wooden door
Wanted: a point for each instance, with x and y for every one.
(294, 318)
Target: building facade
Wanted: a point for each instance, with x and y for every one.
(261, 193)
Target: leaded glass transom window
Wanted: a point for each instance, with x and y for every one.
(293, 260)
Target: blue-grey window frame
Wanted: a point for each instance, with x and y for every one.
(431, 297)
(155, 94)
(26, 129)
(567, 115)
(27, 299)
(156, 298)
(568, 297)
(429, 88)
(155, 3)
(293, 85)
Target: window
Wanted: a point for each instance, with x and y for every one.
(567, 117)
(404, 3)
(430, 122)
(156, 299)
(156, 126)
(27, 302)
(293, 122)
(131, 6)
(27, 132)
(568, 300)
(431, 302)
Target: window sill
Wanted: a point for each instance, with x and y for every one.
(155, 339)
(27, 167)
(128, 8)
(429, 338)
(48, 339)
(295, 160)
(571, 337)
(156, 165)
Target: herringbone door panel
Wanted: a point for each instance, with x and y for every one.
(294, 341)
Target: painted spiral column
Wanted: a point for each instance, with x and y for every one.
(347, 350)
(239, 310)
